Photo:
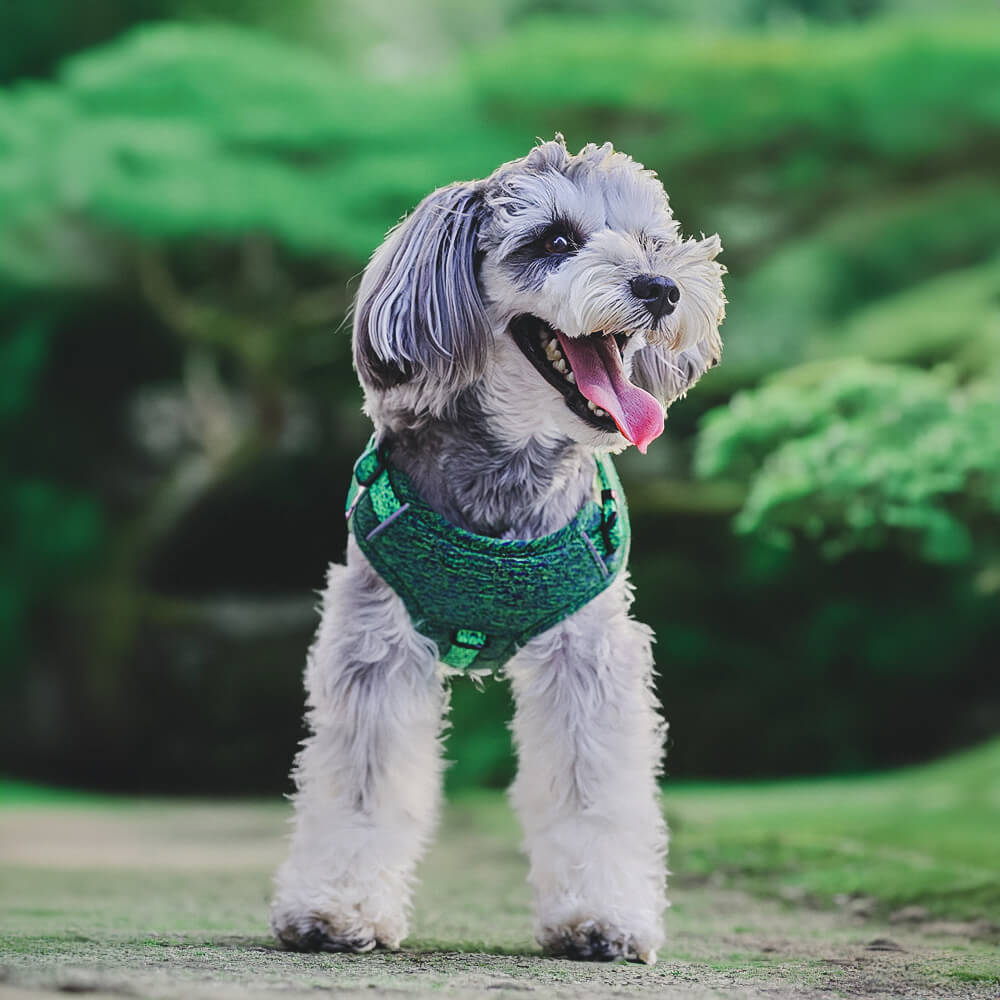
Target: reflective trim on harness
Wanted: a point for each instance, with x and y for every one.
(425, 561)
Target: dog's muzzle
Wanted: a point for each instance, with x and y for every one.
(589, 374)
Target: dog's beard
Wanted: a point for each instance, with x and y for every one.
(590, 375)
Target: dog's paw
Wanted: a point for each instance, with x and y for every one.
(315, 932)
(592, 941)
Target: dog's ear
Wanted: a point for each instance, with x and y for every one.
(693, 265)
(419, 308)
(667, 374)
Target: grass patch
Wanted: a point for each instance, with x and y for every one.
(921, 836)
(974, 977)
(23, 793)
(14, 793)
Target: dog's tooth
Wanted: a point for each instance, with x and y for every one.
(600, 412)
(590, 406)
(561, 366)
(570, 377)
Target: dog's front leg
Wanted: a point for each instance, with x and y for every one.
(590, 741)
(368, 776)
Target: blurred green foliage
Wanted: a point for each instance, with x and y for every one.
(854, 454)
(184, 211)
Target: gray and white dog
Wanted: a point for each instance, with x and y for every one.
(504, 332)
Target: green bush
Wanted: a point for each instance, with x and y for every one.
(852, 454)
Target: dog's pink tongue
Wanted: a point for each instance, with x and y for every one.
(597, 365)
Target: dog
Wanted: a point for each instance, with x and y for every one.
(506, 334)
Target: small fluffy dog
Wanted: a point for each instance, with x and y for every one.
(506, 333)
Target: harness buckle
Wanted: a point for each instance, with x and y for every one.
(466, 645)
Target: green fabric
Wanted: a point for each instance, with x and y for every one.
(480, 598)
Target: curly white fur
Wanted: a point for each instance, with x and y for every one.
(368, 776)
(589, 739)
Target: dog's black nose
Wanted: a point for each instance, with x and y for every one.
(658, 294)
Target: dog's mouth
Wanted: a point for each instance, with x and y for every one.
(589, 374)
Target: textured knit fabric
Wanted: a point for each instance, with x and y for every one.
(480, 598)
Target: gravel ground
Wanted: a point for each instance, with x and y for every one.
(169, 900)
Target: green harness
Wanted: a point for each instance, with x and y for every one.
(481, 598)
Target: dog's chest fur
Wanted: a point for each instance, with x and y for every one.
(488, 487)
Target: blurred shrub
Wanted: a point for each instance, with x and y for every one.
(183, 213)
(852, 454)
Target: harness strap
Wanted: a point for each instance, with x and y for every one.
(371, 474)
(611, 529)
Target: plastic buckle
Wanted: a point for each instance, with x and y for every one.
(465, 638)
(466, 645)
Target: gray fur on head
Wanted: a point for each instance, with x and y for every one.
(436, 303)
(419, 309)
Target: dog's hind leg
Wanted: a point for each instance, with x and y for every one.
(368, 775)
(590, 741)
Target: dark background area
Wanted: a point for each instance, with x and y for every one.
(188, 193)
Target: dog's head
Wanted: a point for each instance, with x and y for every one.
(557, 289)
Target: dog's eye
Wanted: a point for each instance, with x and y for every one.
(553, 243)
(558, 243)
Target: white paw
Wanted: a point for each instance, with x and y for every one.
(595, 941)
(326, 932)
